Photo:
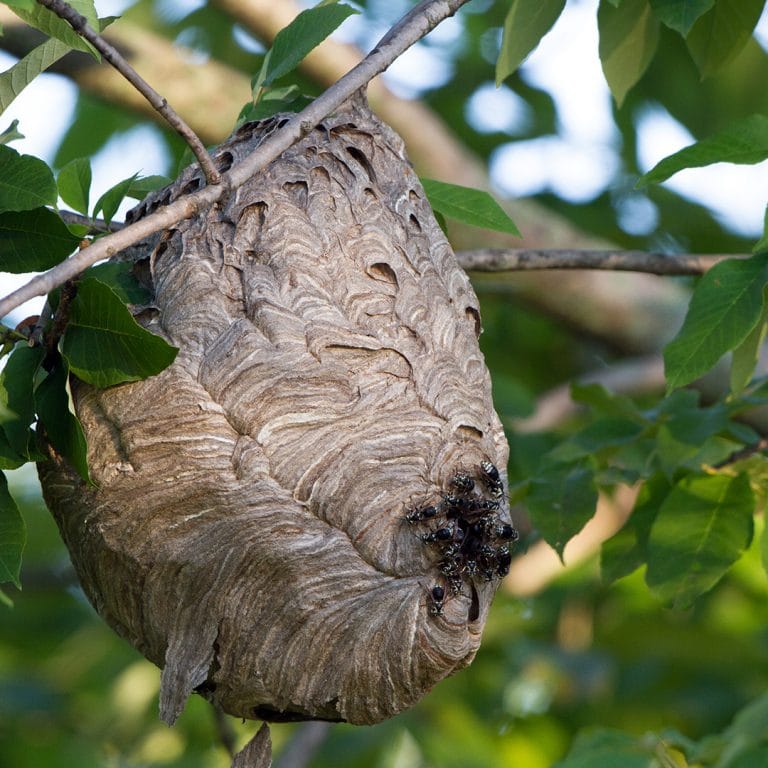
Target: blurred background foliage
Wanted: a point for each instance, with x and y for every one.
(575, 654)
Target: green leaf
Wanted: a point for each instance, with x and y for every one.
(13, 536)
(746, 355)
(48, 22)
(744, 142)
(607, 403)
(17, 394)
(721, 33)
(110, 201)
(726, 305)
(143, 185)
(471, 206)
(24, 5)
(599, 435)
(62, 428)
(14, 80)
(118, 275)
(74, 182)
(680, 15)
(561, 503)
(608, 748)
(762, 243)
(701, 529)
(104, 345)
(26, 182)
(295, 41)
(627, 550)
(11, 133)
(274, 100)
(32, 241)
(527, 21)
(628, 39)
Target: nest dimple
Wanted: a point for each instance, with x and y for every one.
(259, 524)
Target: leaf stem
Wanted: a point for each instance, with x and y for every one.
(79, 24)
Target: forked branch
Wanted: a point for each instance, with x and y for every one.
(409, 30)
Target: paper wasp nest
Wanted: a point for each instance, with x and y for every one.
(301, 518)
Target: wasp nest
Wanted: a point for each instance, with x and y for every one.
(301, 518)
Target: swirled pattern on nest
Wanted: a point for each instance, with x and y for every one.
(255, 527)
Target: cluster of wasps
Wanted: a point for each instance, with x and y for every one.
(466, 532)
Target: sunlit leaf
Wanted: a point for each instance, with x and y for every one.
(470, 206)
(680, 15)
(701, 529)
(31, 241)
(104, 345)
(74, 182)
(294, 42)
(527, 21)
(721, 33)
(110, 201)
(744, 142)
(13, 536)
(26, 182)
(629, 36)
(14, 80)
(53, 26)
(724, 309)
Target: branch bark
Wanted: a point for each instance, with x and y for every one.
(80, 25)
(519, 259)
(411, 28)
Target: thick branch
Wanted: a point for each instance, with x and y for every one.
(411, 28)
(79, 23)
(519, 259)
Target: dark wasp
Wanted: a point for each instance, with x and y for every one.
(491, 479)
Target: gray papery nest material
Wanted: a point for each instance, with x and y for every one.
(257, 524)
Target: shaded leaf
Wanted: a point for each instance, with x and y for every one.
(527, 21)
(14, 80)
(62, 428)
(746, 355)
(608, 748)
(143, 185)
(629, 36)
(104, 345)
(744, 142)
(470, 206)
(13, 536)
(627, 550)
(608, 403)
(110, 201)
(32, 241)
(47, 21)
(721, 33)
(17, 380)
(561, 503)
(26, 182)
(701, 529)
(762, 243)
(680, 15)
(11, 133)
(294, 42)
(118, 275)
(726, 305)
(74, 182)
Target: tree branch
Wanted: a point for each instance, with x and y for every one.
(519, 259)
(411, 28)
(79, 24)
(94, 225)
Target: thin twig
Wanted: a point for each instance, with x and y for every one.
(409, 30)
(224, 729)
(513, 259)
(79, 23)
(94, 225)
(304, 743)
(743, 453)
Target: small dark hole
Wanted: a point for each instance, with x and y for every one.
(190, 186)
(224, 161)
(356, 154)
(415, 222)
(474, 317)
